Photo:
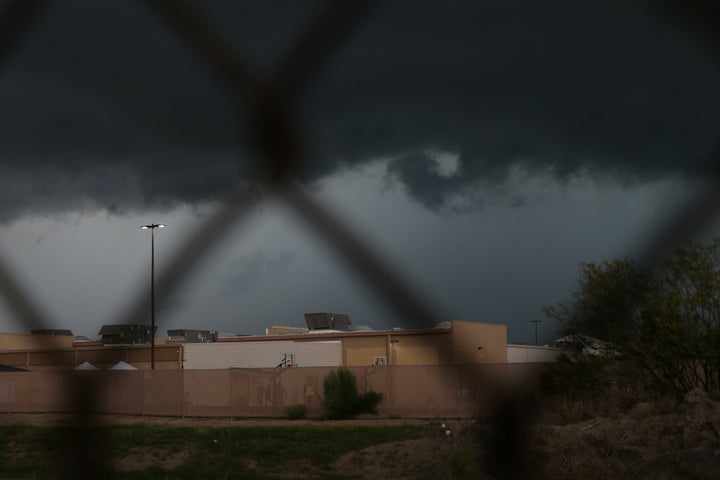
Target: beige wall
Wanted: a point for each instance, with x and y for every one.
(399, 348)
(361, 351)
(475, 342)
(27, 341)
(166, 357)
(408, 391)
(466, 342)
(425, 349)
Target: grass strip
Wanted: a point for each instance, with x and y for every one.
(158, 452)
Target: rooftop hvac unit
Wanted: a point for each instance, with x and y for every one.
(125, 334)
(51, 331)
(327, 321)
(193, 336)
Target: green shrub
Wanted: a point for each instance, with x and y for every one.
(340, 394)
(295, 412)
(368, 402)
(341, 398)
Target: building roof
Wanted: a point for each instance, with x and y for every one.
(8, 368)
(328, 334)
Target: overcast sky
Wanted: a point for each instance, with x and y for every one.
(483, 148)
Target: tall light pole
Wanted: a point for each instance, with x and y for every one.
(152, 228)
(536, 324)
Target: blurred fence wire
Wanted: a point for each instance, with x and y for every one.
(270, 97)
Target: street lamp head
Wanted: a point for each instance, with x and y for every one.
(152, 226)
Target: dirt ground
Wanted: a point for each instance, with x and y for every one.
(651, 440)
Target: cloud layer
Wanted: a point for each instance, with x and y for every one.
(104, 107)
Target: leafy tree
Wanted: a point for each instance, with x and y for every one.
(686, 321)
(665, 322)
(607, 301)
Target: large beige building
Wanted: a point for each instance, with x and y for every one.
(458, 342)
(433, 373)
(461, 342)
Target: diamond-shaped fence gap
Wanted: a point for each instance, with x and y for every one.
(377, 274)
(48, 265)
(20, 302)
(689, 219)
(281, 242)
(331, 274)
(192, 297)
(196, 246)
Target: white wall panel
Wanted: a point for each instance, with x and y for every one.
(204, 356)
(531, 354)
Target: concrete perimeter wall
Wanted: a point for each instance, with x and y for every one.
(408, 391)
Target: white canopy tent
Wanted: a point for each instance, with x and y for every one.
(122, 366)
(87, 366)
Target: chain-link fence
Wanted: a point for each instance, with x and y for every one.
(269, 98)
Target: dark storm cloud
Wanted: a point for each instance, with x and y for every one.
(553, 87)
(418, 171)
(104, 107)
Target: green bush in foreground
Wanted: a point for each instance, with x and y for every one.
(368, 402)
(341, 398)
(296, 412)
